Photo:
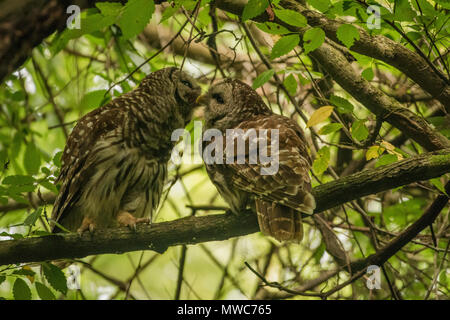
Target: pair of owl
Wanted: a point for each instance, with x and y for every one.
(114, 165)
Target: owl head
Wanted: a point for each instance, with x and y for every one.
(173, 82)
(229, 102)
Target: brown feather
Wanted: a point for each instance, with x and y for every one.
(280, 197)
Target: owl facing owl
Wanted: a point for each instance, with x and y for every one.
(279, 198)
(114, 164)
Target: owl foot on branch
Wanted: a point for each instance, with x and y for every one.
(87, 224)
(126, 219)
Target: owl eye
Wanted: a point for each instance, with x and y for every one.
(187, 83)
(218, 98)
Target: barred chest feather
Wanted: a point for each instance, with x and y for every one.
(114, 165)
(122, 179)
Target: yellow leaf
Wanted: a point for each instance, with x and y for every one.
(319, 115)
(399, 155)
(391, 149)
(374, 152)
(31, 278)
(387, 145)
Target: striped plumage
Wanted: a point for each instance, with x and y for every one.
(279, 198)
(114, 164)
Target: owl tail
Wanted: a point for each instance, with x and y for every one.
(278, 221)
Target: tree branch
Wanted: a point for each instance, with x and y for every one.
(24, 24)
(193, 230)
(389, 51)
(383, 255)
(335, 63)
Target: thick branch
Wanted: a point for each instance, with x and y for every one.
(376, 101)
(156, 34)
(335, 63)
(380, 257)
(24, 24)
(383, 178)
(387, 50)
(192, 230)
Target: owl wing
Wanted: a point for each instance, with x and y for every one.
(290, 184)
(76, 160)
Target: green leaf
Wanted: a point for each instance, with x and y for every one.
(90, 24)
(263, 78)
(55, 277)
(348, 4)
(46, 171)
(43, 292)
(438, 184)
(291, 84)
(135, 17)
(32, 159)
(2, 279)
(322, 160)
(403, 11)
(312, 39)
(18, 96)
(109, 8)
(32, 218)
(330, 128)
(48, 185)
(347, 34)
(405, 210)
(21, 291)
(374, 152)
(444, 3)
(18, 180)
(15, 236)
(291, 17)
(92, 100)
(343, 105)
(425, 7)
(25, 272)
(254, 8)
(169, 11)
(319, 252)
(321, 5)
(57, 159)
(359, 130)
(188, 4)
(272, 28)
(367, 74)
(284, 45)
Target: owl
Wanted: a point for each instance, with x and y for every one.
(114, 164)
(280, 195)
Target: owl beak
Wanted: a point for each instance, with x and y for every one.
(201, 100)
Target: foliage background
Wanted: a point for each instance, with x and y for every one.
(76, 70)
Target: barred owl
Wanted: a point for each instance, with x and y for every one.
(279, 196)
(114, 164)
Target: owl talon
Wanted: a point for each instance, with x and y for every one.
(87, 224)
(128, 220)
(143, 220)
